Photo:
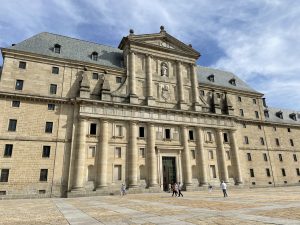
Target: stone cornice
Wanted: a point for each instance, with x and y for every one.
(261, 122)
(28, 138)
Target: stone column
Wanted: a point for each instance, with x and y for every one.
(132, 155)
(80, 155)
(221, 157)
(202, 159)
(235, 158)
(180, 90)
(151, 155)
(195, 92)
(186, 158)
(102, 155)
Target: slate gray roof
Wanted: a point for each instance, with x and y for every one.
(71, 48)
(221, 79)
(286, 116)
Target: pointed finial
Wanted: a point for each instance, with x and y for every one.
(162, 28)
(131, 31)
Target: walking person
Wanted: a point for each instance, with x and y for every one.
(123, 190)
(175, 189)
(224, 188)
(179, 189)
(210, 187)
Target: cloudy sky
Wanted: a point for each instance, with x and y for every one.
(258, 40)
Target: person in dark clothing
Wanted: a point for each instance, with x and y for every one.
(174, 188)
(179, 189)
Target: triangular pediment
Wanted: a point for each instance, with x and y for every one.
(162, 41)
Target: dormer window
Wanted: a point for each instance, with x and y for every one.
(57, 48)
(293, 116)
(232, 82)
(94, 56)
(279, 115)
(266, 112)
(211, 78)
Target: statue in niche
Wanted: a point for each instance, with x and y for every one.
(165, 92)
(164, 70)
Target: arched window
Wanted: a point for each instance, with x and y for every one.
(94, 56)
(232, 82)
(211, 78)
(57, 48)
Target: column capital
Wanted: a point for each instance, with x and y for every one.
(131, 52)
(148, 55)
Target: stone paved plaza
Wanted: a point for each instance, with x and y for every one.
(243, 206)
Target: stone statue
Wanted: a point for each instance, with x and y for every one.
(165, 92)
(164, 70)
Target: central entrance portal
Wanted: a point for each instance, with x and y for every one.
(169, 171)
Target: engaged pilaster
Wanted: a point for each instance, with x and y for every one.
(201, 157)
(102, 155)
(150, 99)
(235, 158)
(221, 156)
(186, 158)
(152, 156)
(195, 91)
(181, 102)
(80, 155)
(132, 155)
(132, 81)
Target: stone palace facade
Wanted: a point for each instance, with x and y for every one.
(80, 118)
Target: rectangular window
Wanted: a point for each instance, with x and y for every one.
(55, 70)
(95, 76)
(193, 154)
(19, 85)
(265, 157)
(241, 112)
(259, 127)
(277, 141)
(118, 80)
(142, 152)
(202, 93)
(8, 150)
(246, 140)
(274, 128)
(262, 141)
(167, 133)
(251, 173)
(225, 137)
(280, 157)
(268, 172)
(292, 142)
(256, 114)
(298, 171)
(93, 129)
(209, 137)
(211, 155)
(46, 151)
(228, 155)
(51, 107)
(191, 135)
(239, 98)
(43, 174)
(119, 132)
(283, 172)
(249, 157)
(4, 175)
(244, 125)
(295, 157)
(117, 172)
(141, 132)
(15, 104)
(2, 192)
(289, 129)
(48, 127)
(92, 152)
(12, 126)
(53, 89)
(118, 152)
(266, 113)
(254, 101)
(22, 65)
